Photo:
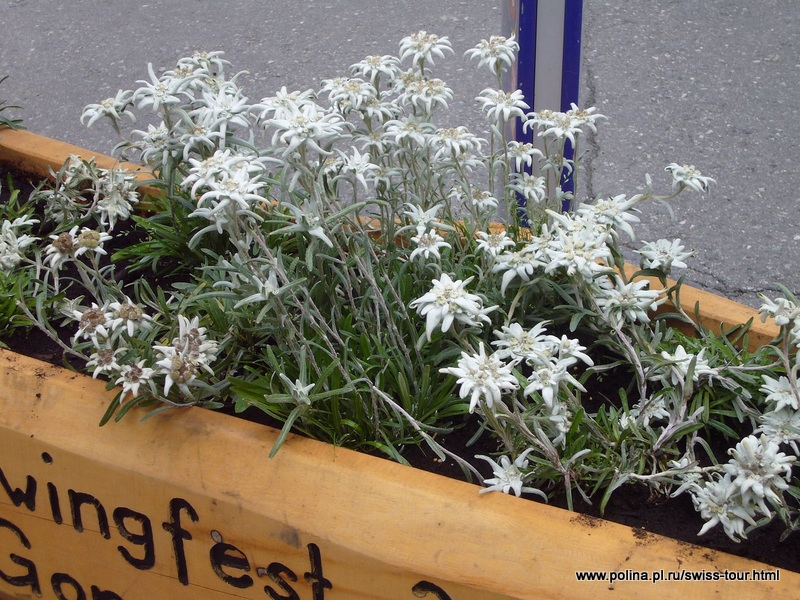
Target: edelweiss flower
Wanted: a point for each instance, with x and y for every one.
(620, 301)
(782, 310)
(127, 315)
(494, 243)
(521, 263)
(309, 125)
(449, 301)
(427, 243)
(92, 322)
(455, 141)
(554, 123)
(196, 138)
(581, 251)
(236, 188)
(298, 390)
(547, 378)
(208, 62)
(421, 218)
(530, 187)
(780, 392)
(189, 352)
(570, 350)
(13, 244)
(113, 108)
(498, 52)
(132, 376)
(204, 173)
(682, 360)
(425, 93)
(159, 91)
(508, 476)
(284, 104)
(482, 200)
(562, 125)
(523, 154)
(155, 144)
(688, 176)
(90, 240)
(104, 360)
(372, 67)
(348, 93)
(520, 344)
(179, 370)
(266, 289)
(614, 213)
(308, 221)
(408, 129)
(119, 194)
(422, 46)
(584, 116)
(717, 503)
(651, 409)
(220, 107)
(501, 106)
(663, 255)
(781, 426)
(482, 377)
(759, 471)
(62, 248)
(359, 165)
(539, 349)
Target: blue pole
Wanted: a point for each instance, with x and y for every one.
(571, 61)
(548, 67)
(571, 77)
(526, 58)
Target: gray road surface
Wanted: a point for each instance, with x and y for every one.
(713, 83)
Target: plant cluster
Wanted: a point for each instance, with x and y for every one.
(333, 258)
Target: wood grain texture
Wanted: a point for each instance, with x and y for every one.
(38, 156)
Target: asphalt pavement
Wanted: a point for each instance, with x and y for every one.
(712, 83)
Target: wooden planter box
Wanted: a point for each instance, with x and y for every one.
(187, 505)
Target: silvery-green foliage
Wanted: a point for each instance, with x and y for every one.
(336, 260)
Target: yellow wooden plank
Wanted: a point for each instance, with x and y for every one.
(715, 310)
(38, 155)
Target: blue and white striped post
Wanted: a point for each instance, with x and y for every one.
(549, 61)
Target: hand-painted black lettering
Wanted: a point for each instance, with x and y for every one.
(276, 572)
(17, 496)
(98, 594)
(423, 588)
(145, 538)
(179, 534)
(31, 578)
(58, 580)
(77, 500)
(55, 504)
(17, 531)
(318, 582)
(228, 555)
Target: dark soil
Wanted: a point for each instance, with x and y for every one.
(631, 505)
